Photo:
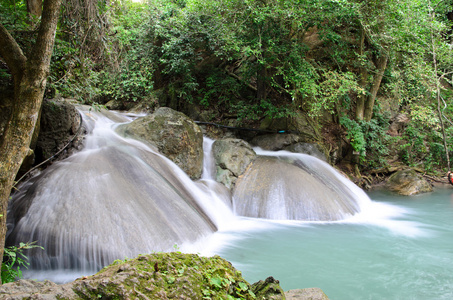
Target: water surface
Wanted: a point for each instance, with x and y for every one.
(400, 248)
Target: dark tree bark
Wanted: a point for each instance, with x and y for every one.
(30, 77)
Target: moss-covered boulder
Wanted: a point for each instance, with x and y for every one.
(160, 276)
(268, 289)
(173, 134)
(166, 276)
(408, 182)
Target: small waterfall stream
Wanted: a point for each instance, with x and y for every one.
(119, 198)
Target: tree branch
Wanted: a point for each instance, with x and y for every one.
(12, 54)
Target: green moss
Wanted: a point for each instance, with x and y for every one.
(166, 276)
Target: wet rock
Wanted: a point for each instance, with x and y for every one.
(173, 134)
(306, 294)
(268, 289)
(232, 156)
(408, 182)
(280, 189)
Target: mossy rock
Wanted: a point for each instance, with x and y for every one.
(166, 276)
(408, 182)
(173, 134)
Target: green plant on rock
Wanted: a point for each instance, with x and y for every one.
(14, 259)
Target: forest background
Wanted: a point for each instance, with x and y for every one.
(349, 67)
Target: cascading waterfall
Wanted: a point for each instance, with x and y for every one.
(118, 198)
(292, 186)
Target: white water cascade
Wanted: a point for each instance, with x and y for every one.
(292, 186)
(118, 198)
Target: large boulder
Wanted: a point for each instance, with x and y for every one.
(232, 156)
(60, 121)
(280, 189)
(173, 134)
(408, 182)
(154, 276)
(160, 276)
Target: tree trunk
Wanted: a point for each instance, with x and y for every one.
(29, 84)
(369, 104)
(34, 7)
(363, 82)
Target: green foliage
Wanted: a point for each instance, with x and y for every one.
(369, 139)
(422, 146)
(14, 259)
(131, 77)
(355, 135)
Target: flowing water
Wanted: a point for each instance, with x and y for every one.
(118, 198)
(398, 248)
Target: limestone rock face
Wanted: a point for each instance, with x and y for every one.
(408, 182)
(232, 156)
(173, 134)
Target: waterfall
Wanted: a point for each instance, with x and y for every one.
(292, 186)
(119, 198)
(116, 198)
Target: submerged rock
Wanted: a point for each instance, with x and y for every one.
(173, 134)
(408, 182)
(232, 156)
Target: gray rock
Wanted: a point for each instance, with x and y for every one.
(173, 134)
(30, 289)
(408, 182)
(306, 294)
(60, 121)
(232, 157)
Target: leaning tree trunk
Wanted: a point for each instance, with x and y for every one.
(29, 84)
(369, 104)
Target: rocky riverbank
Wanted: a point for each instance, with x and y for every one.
(160, 276)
